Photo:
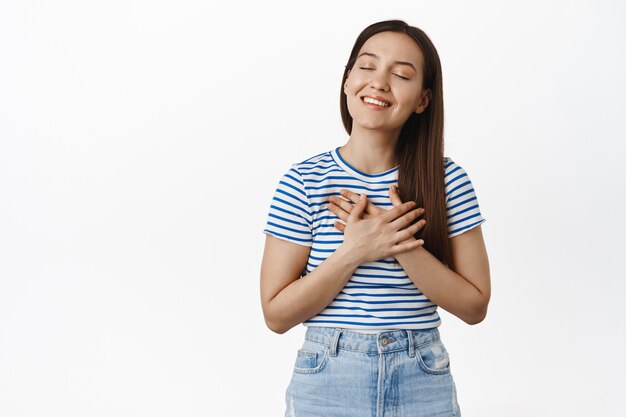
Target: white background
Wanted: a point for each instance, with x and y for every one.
(140, 145)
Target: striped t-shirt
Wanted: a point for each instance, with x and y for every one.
(379, 295)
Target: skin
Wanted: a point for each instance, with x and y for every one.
(370, 232)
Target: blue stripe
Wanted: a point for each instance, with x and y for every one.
(304, 202)
(365, 294)
(299, 223)
(276, 208)
(288, 229)
(456, 214)
(299, 208)
(318, 173)
(382, 309)
(343, 177)
(458, 187)
(448, 173)
(328, 242)
(299, 180)
(452, 207)
(350, 186)
(327, 233)
(374, 286)
(380, 268)
(466, 227)
(316, 258)
(411, 316)
(383, 302)
(371, 324)
(464, 219)
(378, 276)
(272, 232)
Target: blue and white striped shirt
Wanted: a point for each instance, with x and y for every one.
(379, 295)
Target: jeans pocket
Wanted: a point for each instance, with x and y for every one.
(311, 358)
(433, 357)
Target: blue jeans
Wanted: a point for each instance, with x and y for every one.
(398, 373)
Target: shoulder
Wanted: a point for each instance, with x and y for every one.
(452, 169)
(457, 180)
(298, 174)
(314, 162)
(449, 164)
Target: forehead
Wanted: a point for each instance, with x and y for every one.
(394, 46)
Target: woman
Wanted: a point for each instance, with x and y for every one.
(373, 274)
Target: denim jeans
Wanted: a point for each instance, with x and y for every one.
(396, 373)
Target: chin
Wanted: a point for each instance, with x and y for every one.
(372, 125)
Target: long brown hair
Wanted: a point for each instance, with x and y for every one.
(419, 149)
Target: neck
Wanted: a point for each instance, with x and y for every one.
(371, 151)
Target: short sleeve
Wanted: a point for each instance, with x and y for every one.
(289, 216)
(461, 200)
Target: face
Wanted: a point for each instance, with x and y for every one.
(387, 73)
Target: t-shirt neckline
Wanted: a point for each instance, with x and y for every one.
(389, 174)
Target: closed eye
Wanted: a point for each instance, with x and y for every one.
(372, 69)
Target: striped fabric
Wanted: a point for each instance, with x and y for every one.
(379, 294)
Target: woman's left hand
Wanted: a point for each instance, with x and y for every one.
(342, 208)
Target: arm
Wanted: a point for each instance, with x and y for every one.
(463, 290)
(288, 300)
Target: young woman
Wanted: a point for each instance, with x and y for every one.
(365, 265)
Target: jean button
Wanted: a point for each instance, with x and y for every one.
(384, 340)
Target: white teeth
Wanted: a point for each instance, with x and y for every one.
(374, 101)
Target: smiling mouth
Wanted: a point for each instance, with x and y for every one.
(375, 102)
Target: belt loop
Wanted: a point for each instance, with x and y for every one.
(334, 342)
(411, 343)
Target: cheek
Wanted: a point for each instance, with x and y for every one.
(350, 90)
(409, 99)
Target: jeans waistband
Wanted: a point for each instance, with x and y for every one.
(386, 341)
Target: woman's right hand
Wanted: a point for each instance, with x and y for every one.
(374, 238)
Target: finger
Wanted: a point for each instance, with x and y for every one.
(340, 226)
(405, 247)
(394, 195)
(371, 208)
(359, 207)
(350, 195)
(404, 234)
(394, 213)
(341, 203)
(406, 219)
(338, 211)
(347, 207)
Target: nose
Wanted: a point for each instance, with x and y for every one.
(379, 81)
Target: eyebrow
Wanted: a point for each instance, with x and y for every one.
(396, 62)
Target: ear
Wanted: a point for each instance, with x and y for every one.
(345, 84)
(423, 103)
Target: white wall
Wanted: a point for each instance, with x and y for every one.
(129, 276)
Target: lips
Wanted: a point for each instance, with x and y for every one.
(376, 101)
(379, 98)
